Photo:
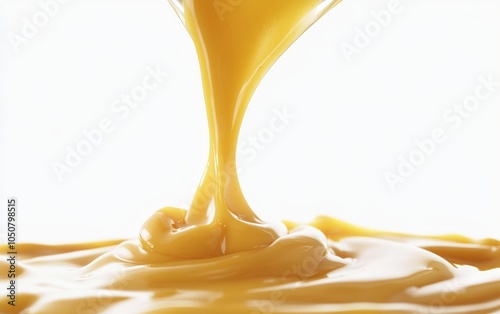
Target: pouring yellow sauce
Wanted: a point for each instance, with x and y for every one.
(219, 256)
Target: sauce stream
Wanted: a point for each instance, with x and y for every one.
(219, 256)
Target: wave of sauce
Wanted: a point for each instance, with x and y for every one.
(219, 256)
(325, 267)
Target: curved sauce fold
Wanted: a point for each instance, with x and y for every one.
(219, 256)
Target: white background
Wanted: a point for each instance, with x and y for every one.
(352, 120)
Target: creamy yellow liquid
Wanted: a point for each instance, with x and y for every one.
(219, 256)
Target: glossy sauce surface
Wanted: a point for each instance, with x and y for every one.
(219, 256)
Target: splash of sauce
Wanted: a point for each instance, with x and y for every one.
(219, 256)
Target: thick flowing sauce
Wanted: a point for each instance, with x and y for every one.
(219, 256)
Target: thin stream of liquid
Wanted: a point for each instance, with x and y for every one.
(219, 256)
